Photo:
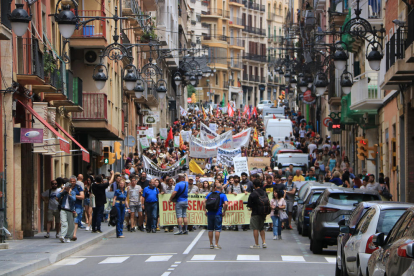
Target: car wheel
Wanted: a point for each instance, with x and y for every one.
(343, 266)
(317, 246)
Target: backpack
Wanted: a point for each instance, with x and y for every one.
(386, 193)
(213, 202)
(113, 217)
(263, 206)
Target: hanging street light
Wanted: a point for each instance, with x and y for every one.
(19, 20)
(100, 78)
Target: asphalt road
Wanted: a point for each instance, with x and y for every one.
(165, 254)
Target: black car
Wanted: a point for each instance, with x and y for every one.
(303, 217)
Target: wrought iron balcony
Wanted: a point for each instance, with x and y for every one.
(30, 67)
(95, 108)
(93, 29)
(213, 11)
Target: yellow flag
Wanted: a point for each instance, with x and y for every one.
(204, 113)
(195, 168)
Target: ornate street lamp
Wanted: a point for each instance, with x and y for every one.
(193, 80)
(303, 85)
(374, 59)
(346, 82)
(139, 89)
(293, 82)
(19, 20)
(161, 89)
(100, 77)
(340, 58)
(177, 78)
(321, 84)
(131, 77)
(67, 21)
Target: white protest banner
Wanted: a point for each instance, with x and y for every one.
(206, 133)
(154, 171)
(183, 111)
(163, 133)
(186, 135)
(242, 139)
(240, 165)
(261, 141)
(144, 142)
(226, 157)
(150, 133)
(213, 127)
(208, 149)
(176, 141)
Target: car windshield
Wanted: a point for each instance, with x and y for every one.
(350, 199)
(314, 198)
(387, 220)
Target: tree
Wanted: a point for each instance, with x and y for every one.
(190, 90)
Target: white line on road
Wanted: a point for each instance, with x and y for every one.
(248, 257)
(158, 258)
(293, 258)
(331, 259)
(72, 261)
(166, 273)
(114, 260)
(194, 242)
(259, 262)
(121, 255)
(203, 257)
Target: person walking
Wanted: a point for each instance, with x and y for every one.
(87, 203)
(180, 194)
(80, 196)
(99, 191)
(215, 213)
(290, 199)
(68, 198)
(150, 198)
(256, 203)
(120, 196)
(49, 196)
(277, 204)
(135, 207)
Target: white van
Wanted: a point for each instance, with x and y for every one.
(273, 110)
(269, 117)
(279, 129)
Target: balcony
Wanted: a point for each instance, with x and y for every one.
(371, 10)
(5, 26)
(212, 13)
(132, 9)
(366, 93)
(262, 8)
(205, 25)
(224, 38)
(319, 5)
(226, 14)
(397, 70)
(93, 34)
(253, 57)
(226, 84)
(270, 16)
(238, 3)
(245, 77)
(52, 81)
(263, 79)
(30, 69)
(94, 117)
(193, 22)
(235, 42)
(236, 22)
(409, 45)
(235, 64)
(339, 10)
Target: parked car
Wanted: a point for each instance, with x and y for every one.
(332, 206)
(354, 218)
(395, 254)
(304, 201)
(264, 103)
(380, 217)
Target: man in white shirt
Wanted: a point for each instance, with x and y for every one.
(312, 146)
(302, 132)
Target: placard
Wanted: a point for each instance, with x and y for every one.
(186, 135)
(240, 165)
(258, 162)
(176, 141)
(150, 119)
(150, 133)
(163, 133)
(31, 135)
(213, 127)
(144, 142)
(261, 141)
(226, 157)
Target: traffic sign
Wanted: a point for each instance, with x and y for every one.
(189, 100)
(326, 121)
(130, 141)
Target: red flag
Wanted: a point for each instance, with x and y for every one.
(217, 111)
(274, 116)
(230, 110)
(170, 137)
(254, 112)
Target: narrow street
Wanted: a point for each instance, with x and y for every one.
(166, 254)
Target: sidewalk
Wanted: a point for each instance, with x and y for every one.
(30, 254)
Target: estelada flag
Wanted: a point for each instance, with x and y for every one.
(230, 110)
(245, 110)
(255, 136)
(170, 136)
(204, 113)
(181, 142)
(254, 112)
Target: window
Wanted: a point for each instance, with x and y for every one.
(216, 78)
(350, 199)
(198, 17)
(387, 220)
(356, 215)
(366, 221)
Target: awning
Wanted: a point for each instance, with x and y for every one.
(85, 153)
(64, 145)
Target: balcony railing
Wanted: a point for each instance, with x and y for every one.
(96, 28)
(410, 33)
(205, 25)
(193, 22)
(245, 3)
(234, 63)
(236, 42)
(366, 93)
(226, 84)
(245, 77)
(256, 78)
(394, 49)
(263, 79)
(262, 8)
(95, 107)
(226, 14)
(135, 9)
(237, 1)
(236, 20)
(30, 58)
(206, 37)
(254, 57)
(213, 11)
(224, 38)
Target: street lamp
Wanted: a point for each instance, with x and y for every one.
(340, 58)
(19, 20)
(130, 78)
(321, 84)
(177, 79)
(293, 82)
(287, 76)
(374, 59)
(139, 89)
(193, 80)
(161, 88)
(67, 21)
(303, 85)
(100, 78)
(346, 82)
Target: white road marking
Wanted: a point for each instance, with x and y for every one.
(177, 262)
(331, 259)
(203, 257)
(260, 262)
(293, 258)
(71, 261)
(114, 260)
(159, 258)
(174, 265)
(121, 255)
(171, 269)
(248, 257)
(194, 242)
(166, 273)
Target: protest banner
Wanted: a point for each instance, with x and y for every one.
(236, 214)
(258, 162)
(186, 135)
(150, 133)
(206, 133)
(261, 141)
(226, 157)
(163, 133)
(176, 141)
(183, 112)
(200, 162)
(144, 142)
(242, 139)
(240, 165)
(210, 180)
(213, 127)
(154, 171)
(208, 149)
(225, 129)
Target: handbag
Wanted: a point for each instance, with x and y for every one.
(282, 215)
(92, 199)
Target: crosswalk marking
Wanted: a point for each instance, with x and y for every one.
(70, 261)
(248, 257)
(203, 257)
(293, 259)
(331, 259)
(164, 258)
(114, 260)
(166, 273)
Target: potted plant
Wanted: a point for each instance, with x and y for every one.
(147, 36)
(49, 65)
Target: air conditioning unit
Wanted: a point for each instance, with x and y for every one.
(91, 56)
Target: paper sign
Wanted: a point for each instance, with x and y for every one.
(240, 165)
(261, 141)
(213, 127)
(258, 162)
(226, 157)
(150, 133)
(144, 142)
(163, 133)
(176, 141)
(186, 135)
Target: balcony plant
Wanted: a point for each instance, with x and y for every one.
(148, 35)
(49, 65)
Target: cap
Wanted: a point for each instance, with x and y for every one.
(127, 181)
(68, 185)
(283, 178)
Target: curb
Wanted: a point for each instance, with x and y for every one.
(53, 258)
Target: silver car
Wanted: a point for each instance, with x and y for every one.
(332, 206)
